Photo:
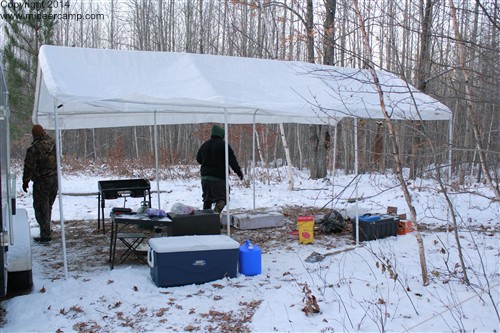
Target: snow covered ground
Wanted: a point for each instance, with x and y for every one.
(375, 287)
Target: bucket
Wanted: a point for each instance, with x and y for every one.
(305, 225)
(250, 261)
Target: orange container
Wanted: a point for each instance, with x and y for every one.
(405, 227)
(305, 225)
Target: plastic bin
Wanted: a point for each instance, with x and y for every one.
(375, 226)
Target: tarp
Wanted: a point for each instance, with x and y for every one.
(113, 88)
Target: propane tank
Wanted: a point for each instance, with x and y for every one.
(250, 262)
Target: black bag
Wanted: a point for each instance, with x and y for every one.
(121, 210)
(332, 223)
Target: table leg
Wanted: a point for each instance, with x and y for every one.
(102, 213)
(112, 243)
(132, 248)
(99, 211)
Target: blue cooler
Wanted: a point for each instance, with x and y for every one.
(181, 260)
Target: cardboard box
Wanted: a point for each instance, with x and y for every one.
(177, 261)
(375, 226)
(201, 222)
(391, 210)
(255, 220)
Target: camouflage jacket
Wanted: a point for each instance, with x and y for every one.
(40, 161)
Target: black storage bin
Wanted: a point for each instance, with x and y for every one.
(201, 222)
(376, 226)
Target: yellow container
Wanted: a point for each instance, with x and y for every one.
(305, 225)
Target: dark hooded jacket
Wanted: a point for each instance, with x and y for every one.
(211, 156)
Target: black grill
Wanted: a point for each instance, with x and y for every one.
(114, 189)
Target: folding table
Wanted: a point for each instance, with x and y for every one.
(131, 239)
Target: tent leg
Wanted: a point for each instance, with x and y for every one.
(356, 171)
(59, 189)
(226, 157)
(156, 161)
(254, 130)
(450, 142)
(334, 160)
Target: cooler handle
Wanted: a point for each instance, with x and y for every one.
(151, 257)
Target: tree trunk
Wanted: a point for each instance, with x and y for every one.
(395, 148)
(288, 160)
(424, 60)
(471, 112)
(310, 31)
(319, 144)
(329, 32)
(299, 148)
(377, 148)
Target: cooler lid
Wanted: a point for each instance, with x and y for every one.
(192, 243)
(377, 217)
(369, 218)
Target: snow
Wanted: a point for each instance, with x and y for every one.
(355, 290)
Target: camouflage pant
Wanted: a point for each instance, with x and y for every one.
(44, 195)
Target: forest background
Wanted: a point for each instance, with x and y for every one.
(447, 49)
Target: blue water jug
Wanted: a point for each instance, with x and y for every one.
(250, 262)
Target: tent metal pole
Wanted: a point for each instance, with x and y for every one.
(450, 142)
(59, 188)
(254, 131)
(356, 171)
(156, 159)
(334, 160)
(226, 157)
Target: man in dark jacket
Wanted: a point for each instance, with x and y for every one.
(211, 156)
(40, 166)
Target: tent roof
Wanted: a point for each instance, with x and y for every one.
(113, 88)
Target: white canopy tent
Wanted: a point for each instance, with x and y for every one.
(81, 88)
(113, 88)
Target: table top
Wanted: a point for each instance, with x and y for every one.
(139, 219)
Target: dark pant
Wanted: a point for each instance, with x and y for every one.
(214, 191)
(44, 195)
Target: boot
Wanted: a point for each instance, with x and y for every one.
(219, 206)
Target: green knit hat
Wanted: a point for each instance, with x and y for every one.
(217, 131)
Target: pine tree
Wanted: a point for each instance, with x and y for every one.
(27, 27)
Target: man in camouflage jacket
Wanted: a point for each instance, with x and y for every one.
(40, 166)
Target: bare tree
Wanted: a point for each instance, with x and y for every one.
(472, 116)
(395, 148)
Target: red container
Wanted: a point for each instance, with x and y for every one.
(405, 227)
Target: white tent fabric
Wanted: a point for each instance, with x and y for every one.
(80, 88)
(114, 88)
